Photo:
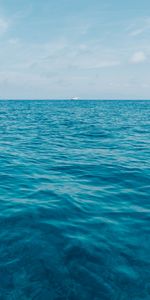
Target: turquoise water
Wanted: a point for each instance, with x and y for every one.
(74, 200)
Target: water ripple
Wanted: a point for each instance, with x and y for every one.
(74, 199)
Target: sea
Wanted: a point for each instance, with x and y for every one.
(74, 200)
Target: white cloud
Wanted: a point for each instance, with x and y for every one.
(141, 26)
(4, 24)
(137, 32)
(13, 41)
(138, 57)
(91, 62)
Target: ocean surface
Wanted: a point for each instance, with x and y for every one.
(74, 200)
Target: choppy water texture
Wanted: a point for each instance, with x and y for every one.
(74, 206)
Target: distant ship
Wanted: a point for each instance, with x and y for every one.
(75, 98)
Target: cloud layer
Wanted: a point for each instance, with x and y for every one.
(58, 51)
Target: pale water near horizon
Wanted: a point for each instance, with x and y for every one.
(74, 200)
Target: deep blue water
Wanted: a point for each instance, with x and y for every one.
(74, 200)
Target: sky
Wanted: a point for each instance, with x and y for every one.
(91, 49)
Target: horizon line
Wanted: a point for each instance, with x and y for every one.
(67, 99)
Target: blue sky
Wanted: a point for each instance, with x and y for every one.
(84, 48)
